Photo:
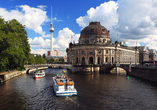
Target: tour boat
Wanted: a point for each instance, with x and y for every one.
(63, 86)
(39, 74)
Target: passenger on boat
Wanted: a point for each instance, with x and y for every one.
(61, 81)
(70, 79)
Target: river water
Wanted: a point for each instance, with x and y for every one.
(95, 92)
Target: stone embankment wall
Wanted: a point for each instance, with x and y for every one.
(10, 74)
(84, 69)
(145, 73)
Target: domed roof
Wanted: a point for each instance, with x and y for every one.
(94, 28)
(124, 44)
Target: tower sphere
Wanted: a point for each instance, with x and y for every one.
(51, 28)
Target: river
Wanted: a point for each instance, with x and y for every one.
(95, 92)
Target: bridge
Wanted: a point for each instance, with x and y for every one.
(105, 68)
(142, 72)
(108, 68)
(33, 67)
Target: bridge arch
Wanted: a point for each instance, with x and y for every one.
(108, 68)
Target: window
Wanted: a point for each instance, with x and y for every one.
(92, 40)
(92, 30)
(103, 30)
(99, 40)
(104, 40)
(87, 41)
(82, 41)
(83, 51)
(76, 52)
(112, 51)
(106, 51)
(99, 51)
(91, 51)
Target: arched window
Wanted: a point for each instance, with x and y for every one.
(107, 51)
(83, 61)
(106, 59)
(112, 60)
(77, 60)
(99, 62)
(91, 60)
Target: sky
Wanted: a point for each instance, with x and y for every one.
(134, 21)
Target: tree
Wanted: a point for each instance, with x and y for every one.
(31, 59)
(14, 47)
(61, 59)
(44, 56)
(39, 60)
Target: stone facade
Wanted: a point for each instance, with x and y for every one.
(95, 47)
(152, 55)
(143, 54)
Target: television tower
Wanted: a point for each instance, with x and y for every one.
(51, 30)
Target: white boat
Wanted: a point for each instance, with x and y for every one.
(63, 86)
(39, 74)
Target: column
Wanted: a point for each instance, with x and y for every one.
(115, 55)
(86, 59)
(95, 59)
(103, 56)
(79, 62)
(110, 56)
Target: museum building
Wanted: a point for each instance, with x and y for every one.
(95, 47)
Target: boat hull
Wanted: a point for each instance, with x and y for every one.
(64, 92)
(39, 76)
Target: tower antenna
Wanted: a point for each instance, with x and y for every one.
(51, 30)
(51, 14)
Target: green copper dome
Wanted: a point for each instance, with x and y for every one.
(124, 44)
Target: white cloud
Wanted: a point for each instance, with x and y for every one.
(32, 17)
(39, 51)
(139, 16)
(106, 13)
(40, 42)
(47, 35)
(60, 43)
(42, 7)
(131, 19)
(64, 37)
(56, 19)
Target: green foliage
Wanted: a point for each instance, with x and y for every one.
(14, 47)
(55, 60)
(39, 60)
(50, 60)
(44, 56)
(61, 59)
(31, 59)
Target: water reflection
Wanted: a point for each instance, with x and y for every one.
(95, 91)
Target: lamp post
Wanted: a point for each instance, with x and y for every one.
(116, 53)
(135, 54)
